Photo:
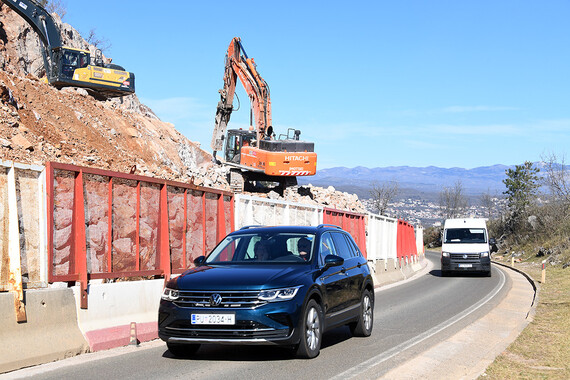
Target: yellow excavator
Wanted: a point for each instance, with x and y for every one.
(72, 67)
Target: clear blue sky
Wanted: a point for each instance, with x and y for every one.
(372, 83)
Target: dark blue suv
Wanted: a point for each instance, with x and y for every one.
(281, 285)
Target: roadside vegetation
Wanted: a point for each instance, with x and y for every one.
(533, 233)
(532, 229)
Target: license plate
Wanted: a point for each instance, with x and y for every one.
(465, 265)
(213, 319)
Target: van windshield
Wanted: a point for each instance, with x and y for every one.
(465, 235)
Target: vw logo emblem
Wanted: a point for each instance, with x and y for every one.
(215, 299)
(464, 256)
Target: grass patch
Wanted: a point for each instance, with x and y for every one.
(542, 350)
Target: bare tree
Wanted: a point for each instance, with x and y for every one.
(557, 177)
(452, 201)
(100, 43)
(383, 194)
(55, 6)
(488, 203)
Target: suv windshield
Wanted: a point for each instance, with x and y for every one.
(263, 248)
(465, 235)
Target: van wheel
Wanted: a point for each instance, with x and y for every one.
(311, 327)
(366, 318)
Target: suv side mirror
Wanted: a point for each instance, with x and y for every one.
(333, 261)
(198, 261)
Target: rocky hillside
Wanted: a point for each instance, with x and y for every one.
(39, 123)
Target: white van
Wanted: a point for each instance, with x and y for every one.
(465, 247)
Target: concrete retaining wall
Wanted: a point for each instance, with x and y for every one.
(50, 333)
(112, 308)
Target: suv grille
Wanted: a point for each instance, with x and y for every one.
(230, 299)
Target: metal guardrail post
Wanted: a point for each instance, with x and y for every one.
(15, 278)
(78, 236)
(163, 235)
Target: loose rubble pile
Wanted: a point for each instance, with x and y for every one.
(39, 123)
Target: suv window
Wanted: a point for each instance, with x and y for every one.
(327, 247)
(355, 249)
(342, 247)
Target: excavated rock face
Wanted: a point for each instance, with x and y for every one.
(39, 123)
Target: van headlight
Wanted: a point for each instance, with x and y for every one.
(484, 254)
(445, 254)
(273, 295)
(170, 294)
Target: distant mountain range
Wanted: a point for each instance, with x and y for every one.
(414, 182)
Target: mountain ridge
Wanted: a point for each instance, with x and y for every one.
(413, 181)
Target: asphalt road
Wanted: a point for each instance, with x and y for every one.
(409, 318)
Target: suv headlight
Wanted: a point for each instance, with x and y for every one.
(445, 254)
(484, 254)
(170, 294)
(283, 294)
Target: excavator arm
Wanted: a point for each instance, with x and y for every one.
(239, 65)
(39, 19)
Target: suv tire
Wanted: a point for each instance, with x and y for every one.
(311, 328)
(363, 327)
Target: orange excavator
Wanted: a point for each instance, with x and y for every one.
(256, 156)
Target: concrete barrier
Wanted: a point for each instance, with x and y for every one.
(112, 309)
(389, 271)
(50, 333)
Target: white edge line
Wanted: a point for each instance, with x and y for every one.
(386, 355)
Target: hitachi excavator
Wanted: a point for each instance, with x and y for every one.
(72, 67)
(256, 155)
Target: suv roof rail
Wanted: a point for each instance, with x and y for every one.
(251, 226)
(328, 225)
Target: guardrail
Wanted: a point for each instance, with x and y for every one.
(74, 224)
(103, 224)
(406, 244)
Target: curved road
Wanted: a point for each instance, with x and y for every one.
(410, 317)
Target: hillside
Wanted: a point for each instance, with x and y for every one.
(39, 123)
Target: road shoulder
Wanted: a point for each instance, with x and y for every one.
(469, 352)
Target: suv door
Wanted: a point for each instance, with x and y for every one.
(333, 280)
(353, 267)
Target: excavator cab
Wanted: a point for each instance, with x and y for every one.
(71, 59)
(237, 138)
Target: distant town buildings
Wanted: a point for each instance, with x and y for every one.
(428, 213)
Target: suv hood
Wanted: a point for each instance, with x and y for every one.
(239, 277)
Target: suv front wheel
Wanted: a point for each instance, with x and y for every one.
(311, 331)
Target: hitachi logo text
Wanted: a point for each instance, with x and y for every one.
(296, 158)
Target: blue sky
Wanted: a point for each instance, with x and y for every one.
(372, 83)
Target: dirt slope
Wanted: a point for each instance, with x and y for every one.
(39, 123)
